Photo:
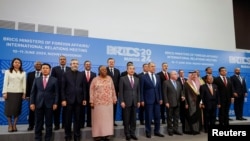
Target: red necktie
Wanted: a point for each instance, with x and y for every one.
(166, 75)
(44, 82)
(225, 81)
(88, 76)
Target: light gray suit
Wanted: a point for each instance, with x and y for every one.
(172, 96)
(130, 96)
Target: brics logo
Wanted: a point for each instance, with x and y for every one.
(239, 60)
(130, 53)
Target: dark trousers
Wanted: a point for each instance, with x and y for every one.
(141, 114)
(31, 119)
(238, 106)
(182, 114)
(40, 115)
(152, 111)
(163, 111)
(224, 112)
(173, 118)
(72, 112)
(209, 116)
(57, 114)
(82, 116)
(129, 120)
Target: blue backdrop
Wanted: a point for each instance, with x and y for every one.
(45, 47)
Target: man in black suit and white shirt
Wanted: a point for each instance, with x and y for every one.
(88, 76)
(210, 101)
(164, 75)
(73, 97)
(129, 90)
(43, 100)
(225, 89)
(239, 93)
(57, 72)
(114, 73)
(30, 79)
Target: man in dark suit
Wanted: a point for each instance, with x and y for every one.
(164, 75)
(151, 98)
(114, 73)
(210, 101)
(141, 109)
(88, 76)
(57, 72)
(73, 97)
(226, 94)
(43, 100)
(30, 79)
(182, 80)
(172, 93)
(239, 93)
(129, 90)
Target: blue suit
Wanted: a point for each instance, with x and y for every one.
(151, 96)
(43, 99)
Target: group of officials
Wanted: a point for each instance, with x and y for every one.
(165, 97)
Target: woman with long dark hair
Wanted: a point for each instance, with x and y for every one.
(14, 88)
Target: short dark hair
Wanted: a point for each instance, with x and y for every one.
(207, 68)
(220, 68)
(46, 64)
(129, 63)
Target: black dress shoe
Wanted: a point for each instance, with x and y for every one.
(230, 119)
(56, 128)
(177, 133)
(134, 137)
(238, 118)
(115, 124)
(196, 133)
(148, 135)
(243, 118)
(128, 138)
(89, 125)
(159, 135)
(30, 128)
(170, 133)
(163, 122)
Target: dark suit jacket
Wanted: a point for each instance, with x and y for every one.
(162, 78)
(48, 96)
(238, 87)
(172, 95)
(179, 79)
(150, 93)
(115, 78)
(73, 90)
(129, 95)
(225, 92)
(210, 101)
(92, 76)
(58, 73)
(29, 82)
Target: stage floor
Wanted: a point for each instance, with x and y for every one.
(23, 135)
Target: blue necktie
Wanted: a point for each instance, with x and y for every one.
(153, 79)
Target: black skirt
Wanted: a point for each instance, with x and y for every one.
(13, 104)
